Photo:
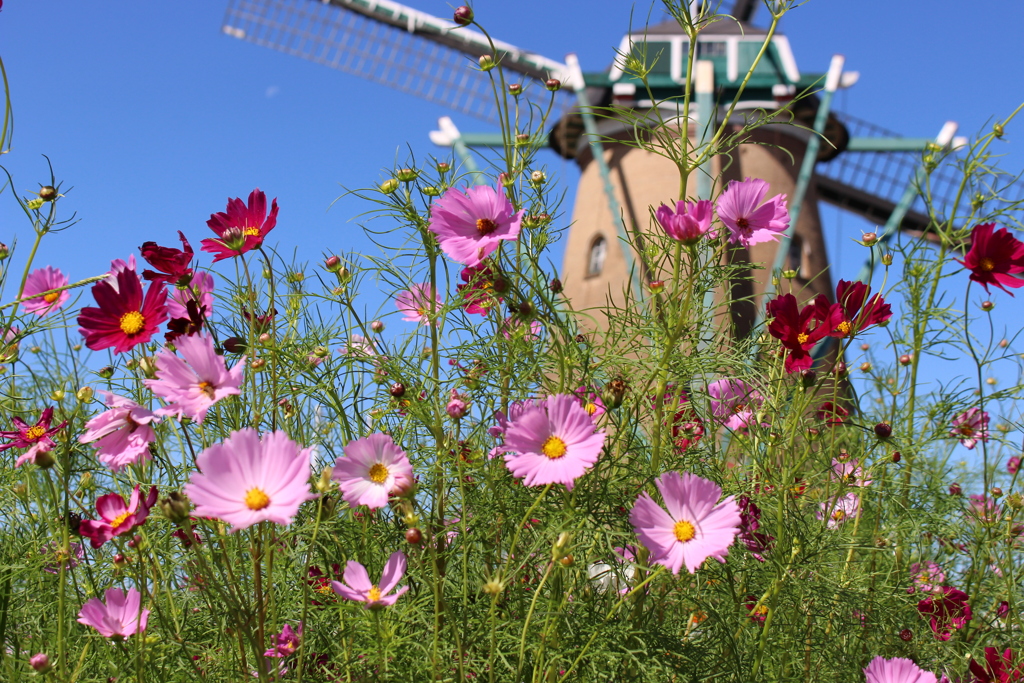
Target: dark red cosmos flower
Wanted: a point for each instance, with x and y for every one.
(321, 584)
(118, 517)
(483, 289)
(947, 608)
(800, 329)
(174, 263)
(994, 258)
(35, 438)
(123, 318)
(832, 413)
(998, 668)
(189, 326)
(242, 227)
(687, 427)
(750, 521)
(853, 314)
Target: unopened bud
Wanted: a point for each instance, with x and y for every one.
(556, 286)
(407, 175)
(47, 193)
(486, 62)
(1014, 501)
(493, 587)
(233, 238)
(84, 394)
(106, 372)
(987, 306)
(997, 129)
(264, 338)
(4, 253)
(57, 395)
(869, 238)
(789, 274)
(44, 459)
(463, 15)
(906, 635)
(413, 536)
(135, 542)
(397, 390)
(148, 366)
(377, 326)
(257, 364)
(996, 492)
(839, 369)
(431, 191)
(86, 482)
(515, 89)
(808, 378)
(883, 430)
(657, 286)
(40, 663)
(896, 456)
(323, 483)
(613, 393)
(955, 490)
(886, 259)
(567, 561)
(865, 367)
(333, 264)
(34, 203)
(120, 561)
(813, 433)
(234, 345)
(443, 167)
(538, 177)
(389, 186)
(906, 359)
(553, 84)
(175, 506)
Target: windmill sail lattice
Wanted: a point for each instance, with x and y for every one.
(393, 45)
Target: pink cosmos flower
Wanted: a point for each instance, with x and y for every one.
(118, 518)
(734, 402)
(469, 225)
(927, 577)
(358, 346)
(1013, 464)
(39, 281)
(971, 426)
(947, 609)
(513, 326)
(839, 509)
(552, 442)
(358, 588)
(199, 290)
(35, 438)
(246, 480)
(122, 434)
(415, 303)
(591, 402)
(849, 472)
(483, 289)
(242, 228)
(57, 557)
(688, 223)
(121, 617)
(192, 385)
(118, 266)
(697, 525)
(749, 221)
(896, 670)
(983, 509)
(286, 643)
(995, 258)
(372, 469)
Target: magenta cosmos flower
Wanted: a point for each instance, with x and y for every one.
(749, 221)
(896, 670)
(124, 319)
(117, 517)
(122, 434)
(995, 258)
(946, 609)
(192, 385)
(734, 402)
(998, 668)
(689, 223)
(416, 305)
(552, 442)
(286, 643)
(358, 587)
(970, 426)
(697, 525)
(199, 290)
(246, 480)
(40, 281)
(469, 225)
(372, 469)
(119, 618)
(35, 438)
(242, 228)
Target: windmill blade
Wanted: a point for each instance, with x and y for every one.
(394, 45)
(870, 183)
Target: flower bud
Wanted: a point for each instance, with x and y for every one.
(324, 482)
(333, 264)
(865, 367)
(463, 15)
(389, 186)
(515, 89)
(538, 177)
(869, 238)
(58, 395)
(4, 253)
(987, 306)
(657, 287)
(47, 193)
(813, 433)
(1013, 464)
(996, 492)
(377, 326)
(808, 378)
(413, 536)
(955, 490)
(553, 84)
(486, 62)
(906, 635)
(35, 203)
(120, 561)
(567, 561)
(839, 369)
(257, 364)
(1014, 501)
(233, 238)
(886, 259)
(397, 390)
(556, 286)
(175, 506)
(234, 345)
(997, 129)
(789, 274)
(431, 191)
(493, 587)
(906, 359)
(264, 338)
(135, 542)
(457, 406)
(40, 663)
(883, 430)
(85, 482)
(407, 175)
(896, 456)
(443, 167)
(613, 393)
(84, 394)
(44, 459)
(411, 519)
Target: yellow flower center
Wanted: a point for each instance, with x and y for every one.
(987, 265)
(684, 531)
(967, 430)
(485, 226)
(591, 408)
(120, 519)
(374, 594)
(802, 338)
(251, 230)
(838, 515)
(132, 322)
(739, 408)
(51, 297)
(207, 389)
(554, 448)
(844, 327)
(378, 473)
(33, 433)
(760, 610)
(324, 589)
(256, 499)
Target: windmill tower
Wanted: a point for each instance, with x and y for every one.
(863, 168)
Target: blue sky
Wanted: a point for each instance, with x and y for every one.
(155, 117)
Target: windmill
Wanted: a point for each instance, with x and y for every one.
(863, 168)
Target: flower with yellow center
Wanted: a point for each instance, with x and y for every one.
(844, 327)
(51, 297)
(120, 519)
(987, 265)
(132, 322)
(256, 499)
(802, 338)
(33, 433)
(684, 531)
(378, 473)
(485, 226)
(554, 448)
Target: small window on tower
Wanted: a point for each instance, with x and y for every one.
(598, 251)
